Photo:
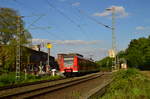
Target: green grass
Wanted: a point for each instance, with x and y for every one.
(9, 78)
(105, 69)
(128, 84)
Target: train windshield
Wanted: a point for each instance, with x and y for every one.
(68, 62)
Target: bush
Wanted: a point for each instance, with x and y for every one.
(128, 84)
(10, 78)
(6, 79)
(105, 69)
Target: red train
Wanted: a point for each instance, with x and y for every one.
(75, 64)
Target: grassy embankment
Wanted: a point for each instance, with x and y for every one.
(9, 79)
(128, 84)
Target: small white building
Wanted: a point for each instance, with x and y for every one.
(123, 66)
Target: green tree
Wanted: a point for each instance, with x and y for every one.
(8, 25)
(105, 63)
(138, 53)
(11, 28)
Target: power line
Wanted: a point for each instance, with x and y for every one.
(54, 35)
(31, 8)
(35, 21)
(93, 19)
(66, 16)
(70, 4)
(89, 17)
(25, 6)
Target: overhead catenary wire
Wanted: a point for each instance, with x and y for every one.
(48, 33)
(93, 19)
(63, 14)
(32, 15)
(25, 6)
(30, 8)
(35, 21)
(70, 4)
(83, 13)
(66, 16)
(89, 17)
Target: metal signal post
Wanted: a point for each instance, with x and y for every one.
(49, 46)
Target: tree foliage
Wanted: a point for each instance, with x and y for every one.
(11, 29)
(136, 55)
(105, 64)
(11, 25)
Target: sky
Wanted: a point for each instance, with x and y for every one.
(69, 25)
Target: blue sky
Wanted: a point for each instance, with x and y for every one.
(72, 31)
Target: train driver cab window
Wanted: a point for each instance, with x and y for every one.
(68, 62)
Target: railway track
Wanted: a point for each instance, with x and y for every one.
(27, 84)
(42, 88)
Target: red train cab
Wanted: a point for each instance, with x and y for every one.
(74, 63)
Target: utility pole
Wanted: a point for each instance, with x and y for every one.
(114, 37)
(114, 61)
(18, 49)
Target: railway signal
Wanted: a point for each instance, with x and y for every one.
(49, 46)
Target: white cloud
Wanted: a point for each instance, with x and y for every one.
(85, 48)
(65, 42)
(106, 13)
(87, 52)
(76, 4)
(119, 10)
(95, 53)
(142, 28)
(76, 42)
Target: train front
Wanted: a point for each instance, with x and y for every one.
(68, 65)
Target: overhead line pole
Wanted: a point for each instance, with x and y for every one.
(18, 49)
(114, 37)
(114, 49)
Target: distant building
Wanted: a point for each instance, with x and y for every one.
(123, 66)
(36, 47)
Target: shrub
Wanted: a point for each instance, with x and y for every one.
(6, 79)
(128, 84)
(10, 78)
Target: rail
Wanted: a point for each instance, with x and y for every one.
(38, 89)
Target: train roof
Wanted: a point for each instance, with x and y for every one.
(70, 54)
(75, 54)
